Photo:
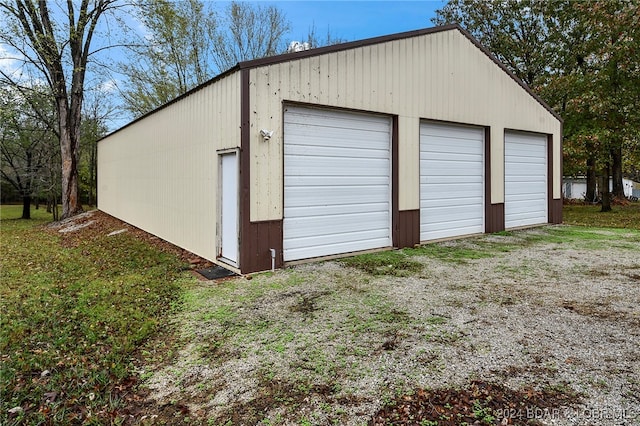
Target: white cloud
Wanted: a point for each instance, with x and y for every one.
(109, 86)
(9, 63)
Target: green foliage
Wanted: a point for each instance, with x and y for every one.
(174, 57)
(483, 414)
(581, 58)
(29, 148)
(189, 42)
(454, 254)
(586, 215)
(394, 262)
(73, 315)
(513, 30)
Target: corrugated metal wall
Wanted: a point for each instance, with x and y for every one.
(161, 173)
(438, 76)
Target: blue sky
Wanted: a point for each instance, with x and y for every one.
(356, 20)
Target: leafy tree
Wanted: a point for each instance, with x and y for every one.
(27, 144)
(513, 30)
(582, 58)
(602, 76)
(97, 110)
(57, 46)
(175, 55)
(188, 43)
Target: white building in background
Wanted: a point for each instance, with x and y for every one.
(575, 188)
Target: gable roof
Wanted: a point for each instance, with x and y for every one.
(270, 60)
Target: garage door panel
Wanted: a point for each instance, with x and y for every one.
(447, 158)
(332, 196)
(346, 223)
(458, 214)
(365, 141)
(453, 146)
(524, 165)
(338, 209)
(442, 228)
(337, 182)
(526, 215)
(531, 197)
(466, 194)
(439, 131)
(324, 242)
(437, 171)
(335, 152)
(319, 181)
(339, 120)
(525, 179)
(335, 167)
(527, 190)
(451, 180)
(310, 250)
(437, 234)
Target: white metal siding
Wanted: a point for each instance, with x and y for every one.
(525, 177)
(336, 182)
(451, 180)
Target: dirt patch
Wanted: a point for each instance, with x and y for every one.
(479, 403)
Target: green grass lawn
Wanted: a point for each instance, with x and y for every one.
(73, 315)
(586, 215)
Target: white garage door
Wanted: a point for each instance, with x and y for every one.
(525, 179)
(337, 185)
(451, 180)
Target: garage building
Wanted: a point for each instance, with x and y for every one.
(385, 142)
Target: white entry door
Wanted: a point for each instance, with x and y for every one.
(337, 182)
(229, 208)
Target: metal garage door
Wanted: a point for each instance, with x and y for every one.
(525, 179)
(337, 186)
(451, 180)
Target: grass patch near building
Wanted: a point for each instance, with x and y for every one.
(627, 216)
(75, 308)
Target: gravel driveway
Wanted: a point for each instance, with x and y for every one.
(551, 312)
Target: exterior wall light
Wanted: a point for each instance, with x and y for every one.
(266, 134)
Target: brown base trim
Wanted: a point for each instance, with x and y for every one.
(554, 206)
(408, 229)
(555, 211)
(494, 219)
(258, 238)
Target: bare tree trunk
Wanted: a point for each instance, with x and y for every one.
(56, 215)
(618, 187)
(604, 188)
(69, 152)
(26, 207)
(590, 195)
(93, 175)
